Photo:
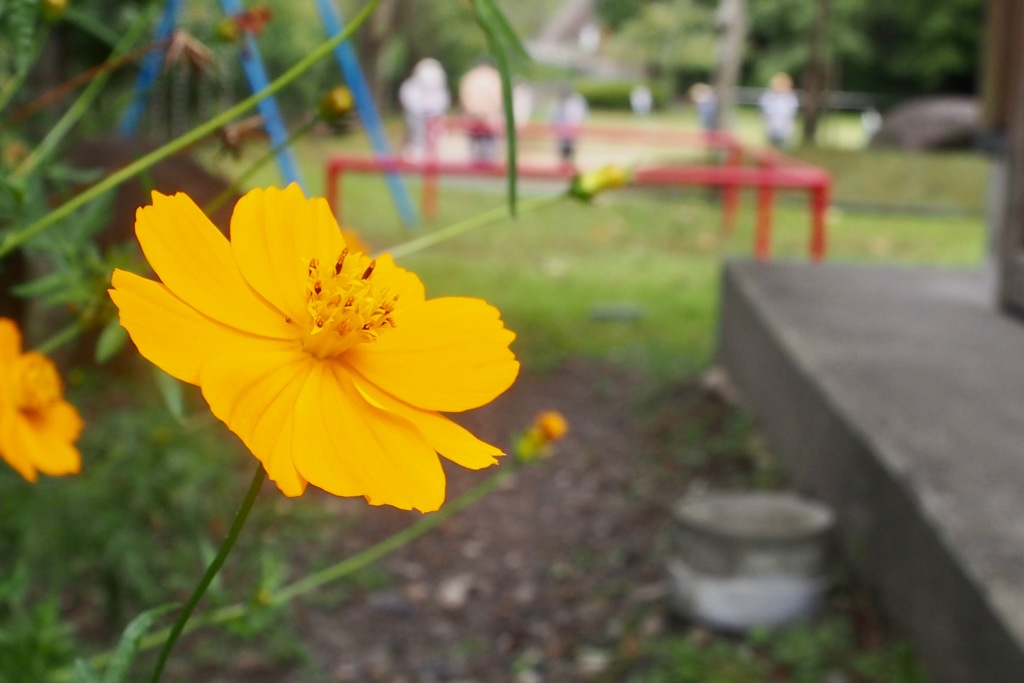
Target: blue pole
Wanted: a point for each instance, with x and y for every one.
(150, 69)
(365, 107)
(252, 64)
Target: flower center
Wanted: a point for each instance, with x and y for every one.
(346, 305)
(36, 383)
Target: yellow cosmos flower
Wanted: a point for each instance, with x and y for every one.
(331, 367)
(38, 427)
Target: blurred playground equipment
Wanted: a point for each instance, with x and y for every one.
(733, 166)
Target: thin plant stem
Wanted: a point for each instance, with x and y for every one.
(211, 571)
(389, 544)
(59, 338)
(256, 165)
(472, 223)
(15, 239)
(335, 572)
(82, 104)
(51, 96)
(511, 146)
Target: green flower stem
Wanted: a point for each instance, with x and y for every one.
(391, 543)
(15, 239)
(211, 571)
(256, 165)
(501, 60)
(478, 221)
(335, 572)
(84, 101)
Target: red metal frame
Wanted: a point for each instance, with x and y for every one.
(771, 171)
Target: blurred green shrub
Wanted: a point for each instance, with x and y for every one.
(615, 94)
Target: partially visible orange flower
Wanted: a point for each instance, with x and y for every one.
(552, 425)
(331, 367)
(548, 427)
(38, 427)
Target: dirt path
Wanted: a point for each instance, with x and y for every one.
(546, 579)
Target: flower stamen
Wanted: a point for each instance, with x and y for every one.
(346, 302)
(36, 383)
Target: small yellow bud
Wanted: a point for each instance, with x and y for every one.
(586, 185)
(227, 30)
(336, 104)
(53, 9)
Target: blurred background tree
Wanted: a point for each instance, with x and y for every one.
(673, 37)
(900, 49)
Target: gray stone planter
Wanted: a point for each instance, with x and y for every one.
(743, 560)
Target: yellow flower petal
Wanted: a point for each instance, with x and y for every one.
(170, 333)
(406, 284)
(194, 260)
(274, 234)
(446, 437)
(449, 354)
(54, 431)
(255, 395)
(10, 349)
(348, 447)
(14, 446)
(10, 342)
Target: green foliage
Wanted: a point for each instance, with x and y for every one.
(615, 94)
(803, 653)
(19, 21)
(922, 46)
(33, 636)
(667, 36)
(617, 12)
(894, 48)
(901, 48)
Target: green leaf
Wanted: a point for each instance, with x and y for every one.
(503, 30)
(21, 22)
(111, 340)
(171, 392)
(83, 673)
(128, 646)
(42, 286)
(492, 22)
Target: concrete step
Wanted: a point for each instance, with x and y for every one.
(897, 396)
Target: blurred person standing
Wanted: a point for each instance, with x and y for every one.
(779, 105)
(567, 119)
(641, 101)
(424, 97)
(481, 100)
(704, 101)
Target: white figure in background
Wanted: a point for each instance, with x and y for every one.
(779, 105)
(482, 102)
(568, 117)
(522, 104)
(424, 96)
(641, 101)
